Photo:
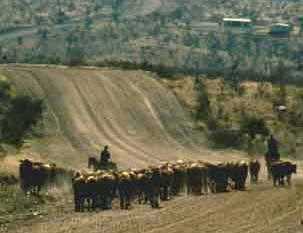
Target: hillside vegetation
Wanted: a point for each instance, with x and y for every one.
(180, 35)
(226, 112)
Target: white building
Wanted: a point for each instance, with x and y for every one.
(237, 22)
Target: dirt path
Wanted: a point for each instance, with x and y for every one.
(262, 209)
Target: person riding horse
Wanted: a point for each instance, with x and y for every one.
(272, 153)
(104, 157)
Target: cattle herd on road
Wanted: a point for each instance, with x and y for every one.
(97, 189)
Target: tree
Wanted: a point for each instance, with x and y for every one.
(203, 100)
(20, 40)
(18, 115)
(18, 119)
(252, 126)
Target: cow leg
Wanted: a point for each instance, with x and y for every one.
(121, 202)
(282, 180)
(128, 198)
(151, 200)
(94, 202)
(269, 172)
(82, 204)
(141, 197)
(146, 196)
(154, 200)
(165, 194)
(109, 201)
(88, 200)
(275, 180)
(157, 201)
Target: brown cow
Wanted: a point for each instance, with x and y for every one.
(179, 177)
(218, 177)
(166, 180)
(93, 188)
(154, 186)
(107, 182)
(141, 186)
(196, 178)
(79, 187)
(35, 175)
(125, 189)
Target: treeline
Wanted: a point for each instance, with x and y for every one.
(174, 72)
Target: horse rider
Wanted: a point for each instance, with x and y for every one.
(272, 149)
(272, 153)
(104, 156)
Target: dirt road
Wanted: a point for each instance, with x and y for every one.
(260, 209)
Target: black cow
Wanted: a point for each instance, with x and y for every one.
(282, 169)
(254, 169)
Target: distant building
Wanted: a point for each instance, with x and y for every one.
(280, 29)
(242, 23)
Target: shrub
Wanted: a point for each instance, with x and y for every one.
(203, 100)
(224, 138)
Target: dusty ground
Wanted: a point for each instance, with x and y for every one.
(262, 208)
(142, 122)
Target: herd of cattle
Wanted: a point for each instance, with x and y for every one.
(35, 175)
(97, 189)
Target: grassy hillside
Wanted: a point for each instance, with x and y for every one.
(231, 104)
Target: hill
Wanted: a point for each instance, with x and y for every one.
(144, 120)
(139, 118)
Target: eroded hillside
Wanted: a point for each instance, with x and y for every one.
(138, 117)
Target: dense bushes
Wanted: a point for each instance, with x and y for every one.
(253, 126)
(241, 138)
(19, 114)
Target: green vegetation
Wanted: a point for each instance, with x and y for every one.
(170, 37)
(19, 114)
(241, 115)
